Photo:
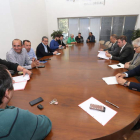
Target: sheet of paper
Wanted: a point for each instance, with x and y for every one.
(69, 45)
(102, 55)
(110, 80)
(117, 66)
(58, 53)
(20, 85)
(101, 117)
(21, 78)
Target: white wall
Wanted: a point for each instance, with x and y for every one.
(61, 8)
(32, 19)
(23, 19)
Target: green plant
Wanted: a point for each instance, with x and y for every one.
(58, 32)
(136, 34)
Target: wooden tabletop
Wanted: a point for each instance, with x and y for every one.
(71, 78)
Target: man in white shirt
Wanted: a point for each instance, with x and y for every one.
(126, 53)
(19, 55)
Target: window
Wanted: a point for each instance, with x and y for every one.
(101, 27)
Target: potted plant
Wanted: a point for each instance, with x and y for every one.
(58, 32)
(136, 34)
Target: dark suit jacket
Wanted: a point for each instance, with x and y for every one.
(126, 54)
(134, 72)
(114, 50)
(59, 42)
(92, 38)
(40, 51)
(79, 40)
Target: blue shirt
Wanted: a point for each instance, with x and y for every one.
(54, 45)
(31, 54)
(45, 48)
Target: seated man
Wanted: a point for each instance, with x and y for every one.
(43, 49)
(19, 55)
(79, 38)
(71, 39)
(114, 49)
(22, 124)
(126, 52)
(131, 85)
(30, 51)
(14, 67)
(54, 44)
(136, 59)
(91, 38)
(60, 41)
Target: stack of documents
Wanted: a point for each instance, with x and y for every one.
(117, 66)
(101, 117)
(20, 82)
(102, 55)
(110, 80)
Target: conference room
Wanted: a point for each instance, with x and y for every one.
(84, 91)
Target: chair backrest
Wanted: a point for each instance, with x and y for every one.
(107, 43)
(101, 41)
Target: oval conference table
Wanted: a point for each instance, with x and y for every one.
(71, 78)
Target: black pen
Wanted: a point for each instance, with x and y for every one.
(112, 104)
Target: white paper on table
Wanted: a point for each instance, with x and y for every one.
(58, 53)
(101, 117)
(115, 66)
(69, 45)
(102, 55)
(110, 80)
(19, 85)
(21, 78)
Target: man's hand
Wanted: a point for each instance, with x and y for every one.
(120, 75)
(25, 71)
(55, 52)
(60, 46)
(127, 65)
(120, 80)
(35, 63)
(88, 40)
(107, 54)
(66, 45)
(101, 49)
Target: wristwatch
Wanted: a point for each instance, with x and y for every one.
(125, 84)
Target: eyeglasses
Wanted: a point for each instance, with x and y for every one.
(136, 47)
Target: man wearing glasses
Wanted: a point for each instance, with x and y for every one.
(43, 49)
(19, 55)
(136, 59)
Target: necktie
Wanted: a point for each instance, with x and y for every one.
(135, 58)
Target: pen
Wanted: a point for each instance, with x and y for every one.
(112, 104)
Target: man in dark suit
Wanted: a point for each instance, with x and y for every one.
(91, 38)
(114, 49)
(79, 38)
(126, 53)
(43, 49)
(60, 41)
(131, 85)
